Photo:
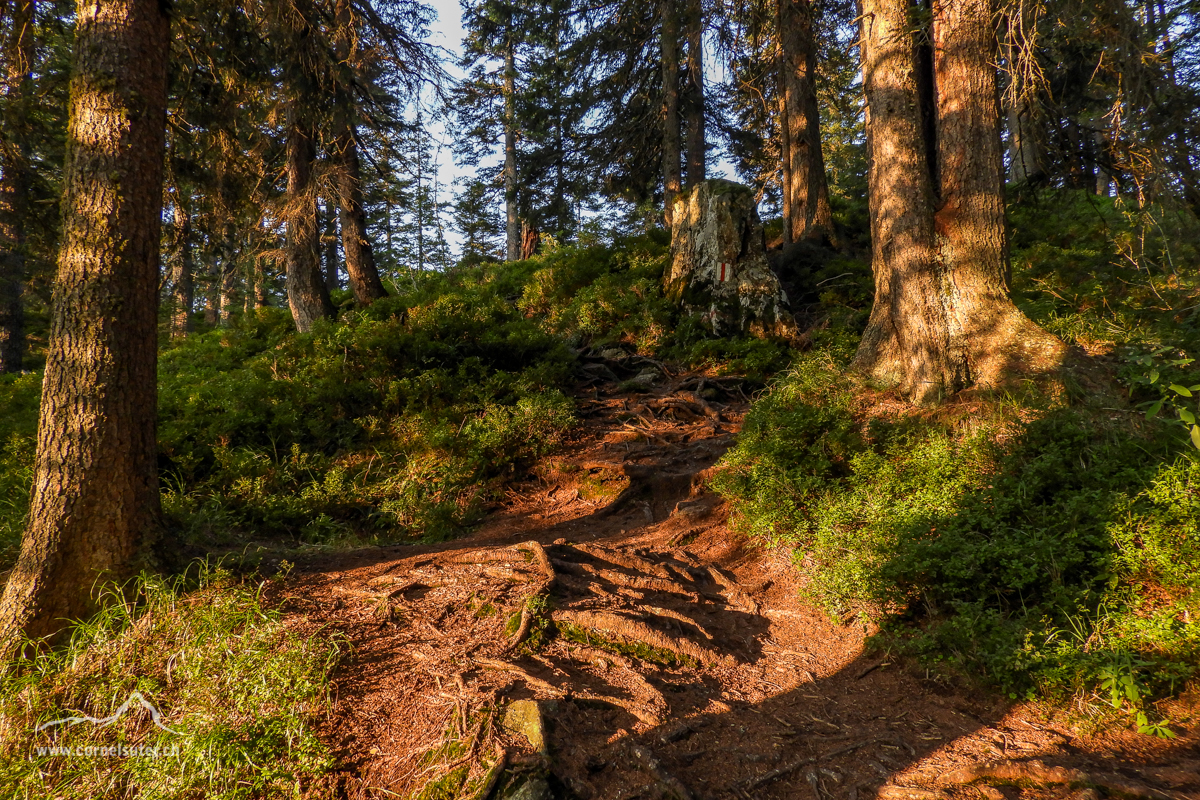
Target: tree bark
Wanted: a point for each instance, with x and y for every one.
(904, 339)
(942, 318)
(14, 184)
(306, 292)
(95, 507)
(512, 222)
(356, 244)
(669, 48)
(183, 289)
(697, 147)
(360, 257)
(807, 205)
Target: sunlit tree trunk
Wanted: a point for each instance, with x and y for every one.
(95, 505)
(904, 339)
(306, 292)
(14, 183)
(697, 146)
(512, 223)
(669, 48)
(807, 205)
(942, 318)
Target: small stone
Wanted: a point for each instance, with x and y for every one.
(613, 354)
(524, 717)
(534, 787)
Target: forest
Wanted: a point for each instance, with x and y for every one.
(682, 400)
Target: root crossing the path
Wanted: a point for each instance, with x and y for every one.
(604, 634)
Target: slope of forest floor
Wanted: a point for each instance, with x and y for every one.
(669, 656)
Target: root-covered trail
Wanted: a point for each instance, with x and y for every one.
(669, 657)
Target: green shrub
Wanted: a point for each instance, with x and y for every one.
(978, 541)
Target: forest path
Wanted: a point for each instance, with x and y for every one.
(685, 664)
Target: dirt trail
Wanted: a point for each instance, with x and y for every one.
(683, 663)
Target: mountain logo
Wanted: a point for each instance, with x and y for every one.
(132, 701)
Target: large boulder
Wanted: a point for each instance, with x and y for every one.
(719, 270)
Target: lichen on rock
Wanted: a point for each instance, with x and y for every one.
(719, 270)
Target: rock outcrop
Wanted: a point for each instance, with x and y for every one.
(719, 270)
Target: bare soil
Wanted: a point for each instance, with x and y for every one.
(675, 658)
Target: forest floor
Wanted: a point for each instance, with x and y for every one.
(670, 657)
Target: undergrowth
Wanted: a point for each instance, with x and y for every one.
(238, 695)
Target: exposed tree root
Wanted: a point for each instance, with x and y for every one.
(609, 624)
(547, 585)
(738, 598)
(639, 581)
(1037, 773)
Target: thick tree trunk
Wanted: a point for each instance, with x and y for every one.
(808, 209)
(904, 341)
(697, 146)
(95, 506)
(669, 47)
(307, 296)
(360, 257)
(989, 339)
(512, 223)
(14, 184)
(183, 289)
(942, 318)
(785, 132)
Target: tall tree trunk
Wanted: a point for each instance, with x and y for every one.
(356, 244)
(183, 290)
(942, 318)
(329, 240)
(14, 183)
(669, 47)
(697, 147)
(904, 341)
(989, 339)
(212, 295)
(531, 239)
(785, 133)
(512, 223)
(360, 256)
(95, 507)
(809, 214)
(307, 296)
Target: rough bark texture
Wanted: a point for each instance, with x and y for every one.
(669, 46)
(807, 193)
(904, 338)
(307, 296)
(512, 223)
(183, 285)
(697, 147)
(942, 318)
(360, 257)
(719, 269)
(95, 504)
(14, 184)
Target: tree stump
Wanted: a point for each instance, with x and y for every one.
(719, 271)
